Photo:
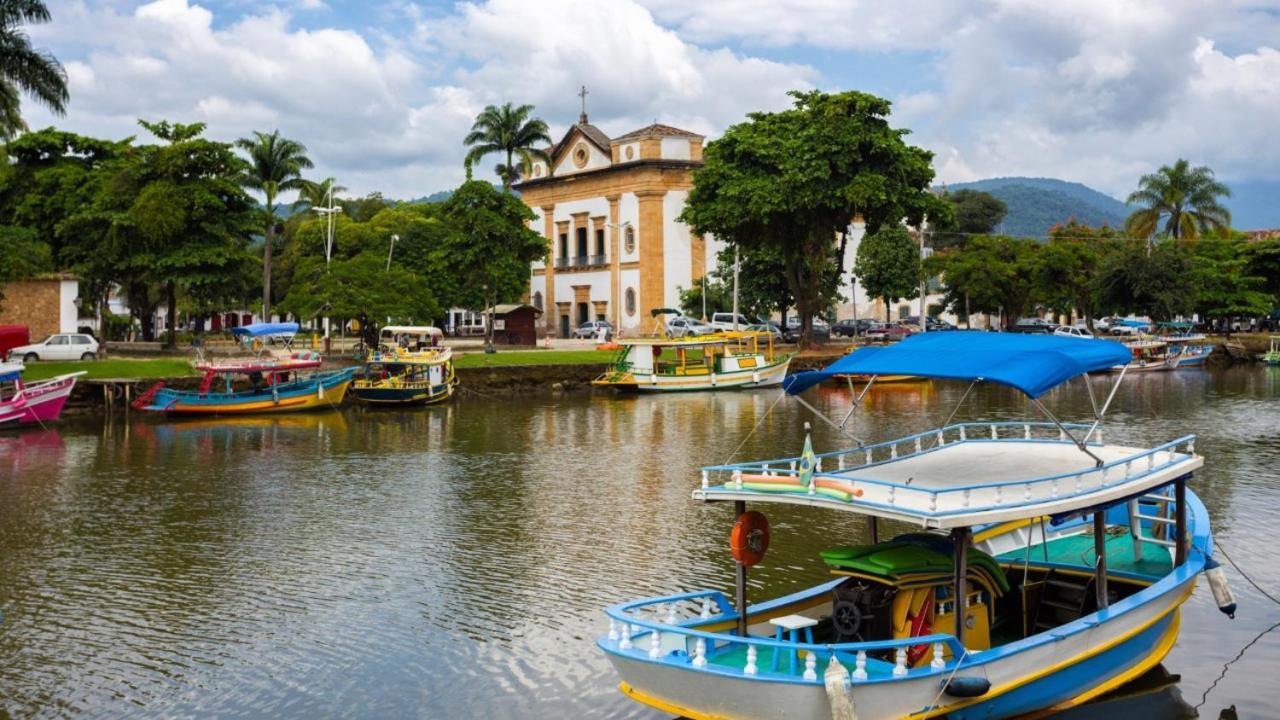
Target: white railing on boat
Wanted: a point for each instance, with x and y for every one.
(674, 638)
(964, 498)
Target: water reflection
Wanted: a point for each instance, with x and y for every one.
(452, 561)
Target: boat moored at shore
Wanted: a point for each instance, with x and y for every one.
(720, 361)
(410, 366)
(1048, 569)
(24, 403)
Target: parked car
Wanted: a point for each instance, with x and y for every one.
(12, 336)
(723, 321)
(1129, 327)
(591, 328)
(1073, 331)
(63, 346)
(1037, 326)
(852, 328)
(678, 327)
(819, 331)
(762, 328)
(931, 324)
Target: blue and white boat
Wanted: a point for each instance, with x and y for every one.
(1065, 557)
(1187, 348)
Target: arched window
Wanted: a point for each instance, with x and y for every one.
(630, 239)
(631, 301)
(537, 300)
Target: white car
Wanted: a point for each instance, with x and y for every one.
(723, 321)
(1074, 331)
(63, 346)
(679, 327)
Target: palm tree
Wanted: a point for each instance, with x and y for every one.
(275, 165)
(507, 130)
(35, 72)
(1184, 198)
(313, 195)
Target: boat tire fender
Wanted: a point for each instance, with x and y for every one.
(968, 687)
(1221, 590)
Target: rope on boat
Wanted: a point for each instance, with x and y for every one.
(931, 706)
(757, 427)
(1217, 546)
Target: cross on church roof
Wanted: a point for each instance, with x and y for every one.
(583, 94)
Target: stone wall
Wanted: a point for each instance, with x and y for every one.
(34, 303)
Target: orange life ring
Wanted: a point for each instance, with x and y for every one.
(750, 538)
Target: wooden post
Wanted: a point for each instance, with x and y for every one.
(1100, 557)
(1180, 521)
(875, 530)
(960, 541)
(740, 577)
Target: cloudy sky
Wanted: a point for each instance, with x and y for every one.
(1096, 91)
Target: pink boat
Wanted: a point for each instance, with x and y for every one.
(40, 402)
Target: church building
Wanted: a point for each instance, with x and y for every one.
(608, 208)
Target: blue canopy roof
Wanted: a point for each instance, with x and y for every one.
(1133, 323)
(260, 329)
(1033, 364)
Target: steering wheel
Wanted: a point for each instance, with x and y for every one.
(846, 616)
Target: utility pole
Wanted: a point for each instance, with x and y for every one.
(735, 287)
(924, 282)
(704, 297)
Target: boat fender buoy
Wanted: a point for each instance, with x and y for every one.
(968, 687)
(1218, 584)
(749, 540)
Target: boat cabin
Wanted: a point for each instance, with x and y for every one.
(410, 339)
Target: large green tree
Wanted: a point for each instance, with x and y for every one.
(176, 220)
(24, 68)
(1158, 282)
(275, 166)
(888, 266)
(1264, 262)
(1224, 286)
(1182, 201)
(508, 130)
(974, 212)
(1067, 268)
(363, 287)
(990, 274)
(790, 182)
(489, 247)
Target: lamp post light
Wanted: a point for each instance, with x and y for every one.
(394, 238)
(330, 215)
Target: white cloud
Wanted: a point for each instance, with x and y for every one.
(388, 112)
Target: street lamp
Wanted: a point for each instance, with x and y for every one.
(394, 238)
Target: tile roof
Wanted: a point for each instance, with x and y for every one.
(657, 129)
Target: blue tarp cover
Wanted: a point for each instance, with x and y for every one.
(10, 376)
(260, 329)
(1033, 364)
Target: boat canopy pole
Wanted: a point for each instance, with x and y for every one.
(1100, 557)
(1080, 444)
(960, 543)
(1110, 396)
(858, 400)
(740, 577)
(933, 438)
(839, 428)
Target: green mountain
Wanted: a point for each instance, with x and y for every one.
(1037, 204)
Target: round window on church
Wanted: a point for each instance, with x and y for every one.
(631, 301)
(630, 239)
(631, 152)
(537, 170)
(580, 155)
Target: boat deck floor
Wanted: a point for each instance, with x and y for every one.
(1078, 550)
(735, 657)
(977, 462)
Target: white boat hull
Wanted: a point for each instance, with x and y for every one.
(768, 376)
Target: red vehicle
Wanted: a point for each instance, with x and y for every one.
(12, 336)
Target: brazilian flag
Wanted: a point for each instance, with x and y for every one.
(807, 462)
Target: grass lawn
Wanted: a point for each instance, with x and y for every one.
(113, 368)
(504, 358)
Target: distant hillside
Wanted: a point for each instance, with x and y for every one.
(1037, 204)
(434, 197)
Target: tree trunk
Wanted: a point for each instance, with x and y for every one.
(266, 260)
(171, 314)
(968, 319)
(885, 300)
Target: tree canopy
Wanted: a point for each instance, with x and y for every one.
(1180, 200)
(275, 166)
(974, 212)
(791, 181)
(508, 130)
(26, 69)
(888, 265)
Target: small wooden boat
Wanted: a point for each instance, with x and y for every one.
(1146, 355)
(721, 361)
(1048, 568)
(274, 381)
(1272, 356)
(409, 367)
(27, 404)
(1186, 349)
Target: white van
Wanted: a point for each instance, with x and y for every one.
(723, 321)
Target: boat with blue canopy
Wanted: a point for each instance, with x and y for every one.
(1042, 566)
(1186, 347)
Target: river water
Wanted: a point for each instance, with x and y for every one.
(452, 561)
